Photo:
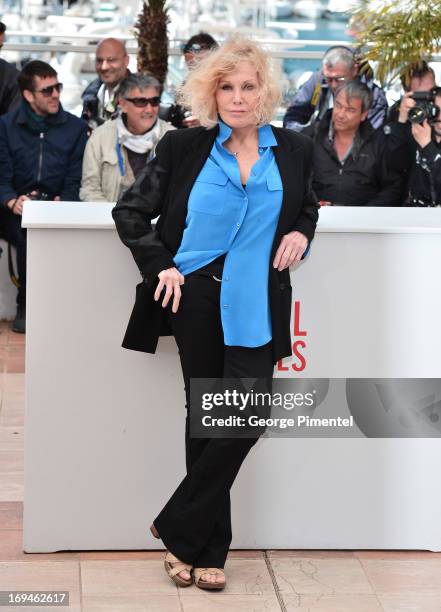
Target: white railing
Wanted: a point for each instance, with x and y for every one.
(173, 51)
(273, 45)
(280, 49)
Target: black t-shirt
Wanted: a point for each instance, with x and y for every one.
(137, 161)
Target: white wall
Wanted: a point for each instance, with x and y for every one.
(8, 292)
(104, 426)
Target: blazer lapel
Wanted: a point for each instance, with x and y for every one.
(193, 157)
(290, 165)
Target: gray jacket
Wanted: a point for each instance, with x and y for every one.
(101, 180)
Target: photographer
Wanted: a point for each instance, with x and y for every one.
(316, 96)
(419, 77)
(41, 152)
(193, 51)
(414, 146)
(101, 95)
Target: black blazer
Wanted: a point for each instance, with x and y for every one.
(163, 189)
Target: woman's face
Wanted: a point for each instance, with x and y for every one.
(237, 96)
(141, 109)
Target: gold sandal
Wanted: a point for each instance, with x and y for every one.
(173, 570)
(204, 584)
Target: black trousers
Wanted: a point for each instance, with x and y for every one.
(12, 232)
(195, 524)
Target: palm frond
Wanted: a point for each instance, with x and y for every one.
(397, 34)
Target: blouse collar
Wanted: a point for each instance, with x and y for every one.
(265, 135)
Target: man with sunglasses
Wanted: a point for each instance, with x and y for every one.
(101, 96)
(197, 47)
(118, 150)
(193, 51)
(41, 152)
(316, 95)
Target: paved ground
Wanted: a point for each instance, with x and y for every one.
(258, 581)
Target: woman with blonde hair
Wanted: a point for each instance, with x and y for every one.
(235, 211)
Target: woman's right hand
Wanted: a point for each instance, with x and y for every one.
(172, 280)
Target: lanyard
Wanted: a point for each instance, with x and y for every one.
(120, 158)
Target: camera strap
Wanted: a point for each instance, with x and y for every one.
(12, 274)
(432, 189)
(316, 94)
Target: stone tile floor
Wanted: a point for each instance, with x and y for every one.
(258, 581)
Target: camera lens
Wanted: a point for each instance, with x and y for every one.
(417, 114)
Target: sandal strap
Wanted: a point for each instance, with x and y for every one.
(179, 567)
(172, 571)
(198, 571)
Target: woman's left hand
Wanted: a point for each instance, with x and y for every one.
(292, 246)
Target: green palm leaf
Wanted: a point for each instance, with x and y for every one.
(398, 34)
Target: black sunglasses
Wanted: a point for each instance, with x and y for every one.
(141, 102)
(48, 91)
(194, 48)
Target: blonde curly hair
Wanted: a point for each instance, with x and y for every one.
(199, 90)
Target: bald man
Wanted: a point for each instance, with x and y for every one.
(99, 98)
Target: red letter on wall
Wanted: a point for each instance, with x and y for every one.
(281, 367)
(298, 367)
(297, 331)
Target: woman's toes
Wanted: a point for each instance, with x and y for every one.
(185, 575)
(208, 577)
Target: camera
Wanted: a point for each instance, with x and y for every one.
(173, 113)
(37, 194)
(90, 114)
(425, 107)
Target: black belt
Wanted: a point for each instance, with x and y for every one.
(214, 269)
